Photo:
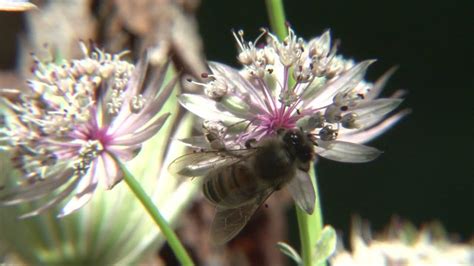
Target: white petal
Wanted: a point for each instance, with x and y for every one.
(77, 202)
(379, 84)
(346, 151)
(347, 80)
(236, 81)
(371, 112)
(206, 108)
(321, 43)
(363, 136)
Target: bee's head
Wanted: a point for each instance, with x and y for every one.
(298, 144)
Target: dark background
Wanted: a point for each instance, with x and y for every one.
(426, 171)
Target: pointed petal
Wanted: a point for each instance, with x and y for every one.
(348, 80)
(321, 44)
(206, 108)
(371, 112)
(143, 135)
(126, 121)
(31, 192)
(135, 82)
(346, 151)
(78, 201)
(108, 171)
(151, 90)
(379, 84)
(133, 87)
(57, 199)
(363, 136)
(84, 191)
(236, 81)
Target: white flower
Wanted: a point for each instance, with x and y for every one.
(293, 84)
(403, 245)
(76, 117)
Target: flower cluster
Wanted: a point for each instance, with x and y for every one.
(293, 84)
(404, 244)
(76, 118)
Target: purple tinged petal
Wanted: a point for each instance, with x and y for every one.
(141, 136)
(88, 180)
(108, 171)
(124, 153)
(31, 192)
(56, 200)
(131, 123)
(84, 191)
(78, 201)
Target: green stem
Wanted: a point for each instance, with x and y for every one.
(151, 208)
(305, 238)
(310, 226)
(276, 14)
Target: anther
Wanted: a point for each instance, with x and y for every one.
(327, 133)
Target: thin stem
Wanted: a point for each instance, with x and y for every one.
(153, 211)
(276, 15)
(310, 226)
(305, 238)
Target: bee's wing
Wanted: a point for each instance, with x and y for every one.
(229, 221)
(200, 163)
(302, 190)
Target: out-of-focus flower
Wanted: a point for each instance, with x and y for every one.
(328, 99)
(325, 247)
(404, 245)
(16, 5)
(113, 228)
(169, 26)
(77, 116)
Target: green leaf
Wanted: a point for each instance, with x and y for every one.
(290, 252)
(326, 245)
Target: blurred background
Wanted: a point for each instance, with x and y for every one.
(427, 170)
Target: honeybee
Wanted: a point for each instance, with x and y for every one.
(237, 182)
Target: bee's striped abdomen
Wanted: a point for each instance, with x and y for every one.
(230, 186)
